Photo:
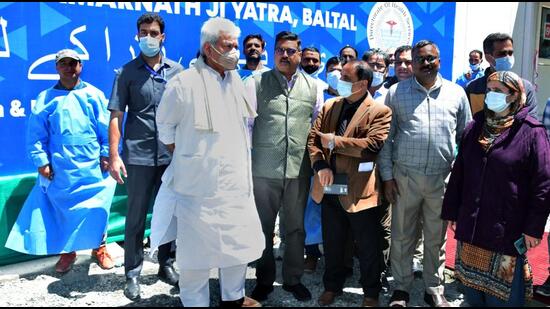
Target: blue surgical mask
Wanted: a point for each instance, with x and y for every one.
(377, 79)
(496, 101)
(333, 78)
(474, 67)
(344, 88)
(504, 63)
(149, 46)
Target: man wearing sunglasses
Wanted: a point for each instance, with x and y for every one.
(429, 116)
(499, 52)
(287, 100)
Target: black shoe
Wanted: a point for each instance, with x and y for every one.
(169, 275)
(131, 290)
(299, 291)
(261, 292)
(399, 299)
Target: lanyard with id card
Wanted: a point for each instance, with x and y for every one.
(155, 75)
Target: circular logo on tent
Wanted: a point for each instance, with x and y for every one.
(389, 25)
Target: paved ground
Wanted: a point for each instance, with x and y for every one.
(35, 283)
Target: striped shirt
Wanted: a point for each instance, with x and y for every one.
(426, 127)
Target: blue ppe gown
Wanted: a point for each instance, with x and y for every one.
(67, 129)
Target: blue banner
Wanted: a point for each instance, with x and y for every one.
(104, 34)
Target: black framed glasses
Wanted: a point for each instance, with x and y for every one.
(289, 51)
(430, 59)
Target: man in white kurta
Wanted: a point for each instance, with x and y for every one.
(208, 185)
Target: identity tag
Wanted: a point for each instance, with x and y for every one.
(336, 189)
(366, 167)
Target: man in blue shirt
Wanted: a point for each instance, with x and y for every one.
(254, 47)
(476, 58)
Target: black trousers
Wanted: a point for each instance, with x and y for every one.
(142, 185)
(270, 196)
(365, 227)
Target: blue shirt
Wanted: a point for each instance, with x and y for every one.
(463, 81)
(245, 73)
(139, 89)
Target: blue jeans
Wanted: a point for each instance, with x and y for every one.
(476, 298)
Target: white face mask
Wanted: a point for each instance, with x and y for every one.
(227, 60)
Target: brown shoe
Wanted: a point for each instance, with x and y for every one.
(310, 264)
(327, 298)
(370, 302)
(65, 262)
(250, 302)
(103, 257)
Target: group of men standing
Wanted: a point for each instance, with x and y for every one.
(225, 156)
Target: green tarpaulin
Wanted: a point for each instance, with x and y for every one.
(14, 191)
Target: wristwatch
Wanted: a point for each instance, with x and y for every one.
(331, 142)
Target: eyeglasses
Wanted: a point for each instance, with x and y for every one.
(430, 59)
(398, 63)
(376, 65)
(289, 51)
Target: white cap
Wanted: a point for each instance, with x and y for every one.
(66, 53)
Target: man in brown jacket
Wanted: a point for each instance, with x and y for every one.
(345, 140)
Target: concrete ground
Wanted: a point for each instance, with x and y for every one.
(35, 283)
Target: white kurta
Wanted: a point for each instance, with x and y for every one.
(222, 229)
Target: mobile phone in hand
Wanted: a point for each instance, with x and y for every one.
(520, 245)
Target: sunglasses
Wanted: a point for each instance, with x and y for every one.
(289, 51)
(430, 59)
(398, 63)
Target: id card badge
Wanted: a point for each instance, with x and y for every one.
(336, 189)
(366, 167)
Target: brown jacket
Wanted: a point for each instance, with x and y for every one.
(363, 139)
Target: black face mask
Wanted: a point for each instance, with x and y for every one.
(310, 69)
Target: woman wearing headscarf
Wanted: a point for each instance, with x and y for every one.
(497, 199)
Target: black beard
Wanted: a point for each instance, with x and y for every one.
(310, 69)
(252, 61)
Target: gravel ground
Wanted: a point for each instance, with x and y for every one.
(88, 285)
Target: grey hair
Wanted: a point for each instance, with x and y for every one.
(212, 28)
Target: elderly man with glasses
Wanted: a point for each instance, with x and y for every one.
(429, 116)
(287, 100)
